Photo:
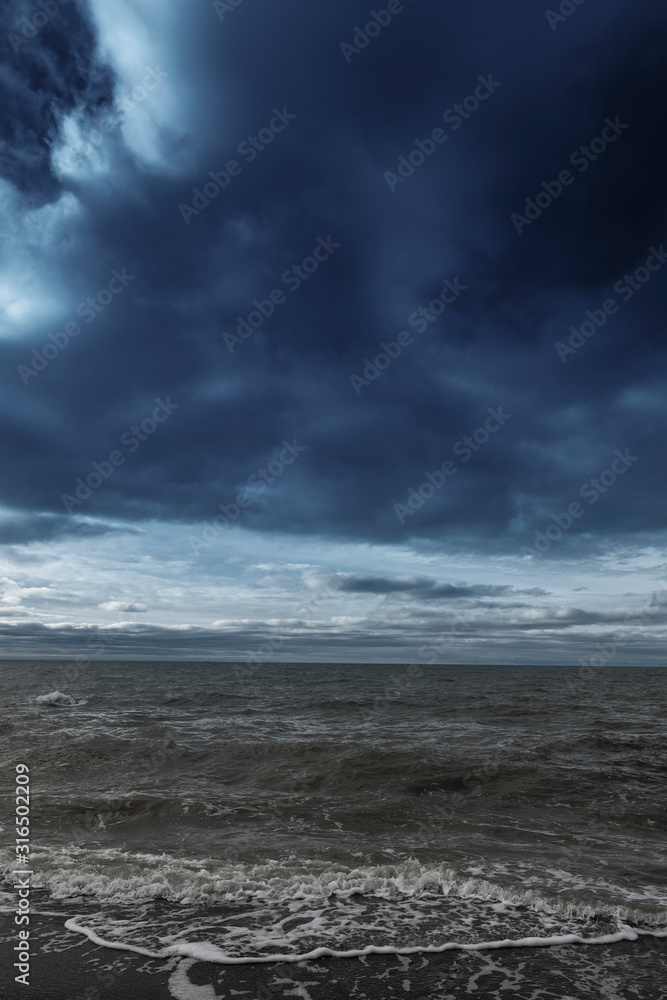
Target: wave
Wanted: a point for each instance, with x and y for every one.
(161, 906)
(122, 876)
(58, 698)
(229, 912)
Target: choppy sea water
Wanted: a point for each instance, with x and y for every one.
(209, 811)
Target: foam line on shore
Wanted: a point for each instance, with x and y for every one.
(208, 953)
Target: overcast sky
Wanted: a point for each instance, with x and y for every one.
(332, 336)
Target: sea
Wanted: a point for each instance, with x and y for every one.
(282, 812)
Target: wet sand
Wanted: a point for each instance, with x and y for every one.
(67, 966)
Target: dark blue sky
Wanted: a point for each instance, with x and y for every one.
(384, 294)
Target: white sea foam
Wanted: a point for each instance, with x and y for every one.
(122, 877)
(207, 952)
(58, 698)
(163, 906)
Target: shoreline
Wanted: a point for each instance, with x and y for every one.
(66, 965)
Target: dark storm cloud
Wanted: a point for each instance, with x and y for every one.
(47, 70)
(424, 588)
(322, 177)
